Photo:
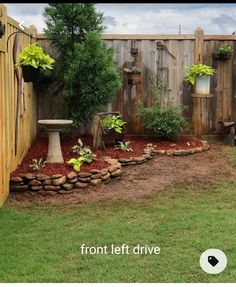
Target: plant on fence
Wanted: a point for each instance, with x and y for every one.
(223, 52)
(113, 123)
(34, 56)
(124, 146)
(84, 151)
(84, 65)
(76, 162)
(166, 122)
(38, 164)
(197, 70)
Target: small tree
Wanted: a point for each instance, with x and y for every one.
(85, 67)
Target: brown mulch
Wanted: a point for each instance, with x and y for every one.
(39, 150)
(140, 180)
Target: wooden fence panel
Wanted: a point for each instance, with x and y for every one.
(13, 147)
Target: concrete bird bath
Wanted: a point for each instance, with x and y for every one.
(53, 128)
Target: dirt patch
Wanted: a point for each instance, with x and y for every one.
(144, 179)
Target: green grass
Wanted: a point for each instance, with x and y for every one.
(43, 244)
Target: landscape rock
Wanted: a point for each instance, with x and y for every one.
(181, 152)
(159, 152)
(72, 175)
(68, 186)
(63, 191)
(104, 171)
(36, 187)
(16, 179)
(34, 182)
(84, 179)
(112, 168)
(47, 182)
(106, 176)
(139, 159)
(56, 176)
(72, 180)
(79, 184)
(85, 174)
(42, 177)
(124, 160)
(116, 173)
(170, 151)
(59, 181)
(96, 176)
(28, 176)
(96, 181)
(95, 171)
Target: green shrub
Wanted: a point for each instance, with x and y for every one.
(76, 162)
(165, 122)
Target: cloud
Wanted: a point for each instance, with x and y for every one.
(142, 18)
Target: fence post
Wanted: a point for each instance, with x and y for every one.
(4, 176)
(197, 102)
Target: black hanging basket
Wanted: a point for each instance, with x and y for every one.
(221, 57)
(30, 74)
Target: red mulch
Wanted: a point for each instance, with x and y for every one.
(39, 149)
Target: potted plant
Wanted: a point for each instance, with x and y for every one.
(223, 53)
(199, 75)
(133, 75)
(113, 127)
(31, 59)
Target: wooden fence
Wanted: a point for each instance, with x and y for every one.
(17, 102)
(164, 57)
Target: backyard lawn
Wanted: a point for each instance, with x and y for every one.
(42, 244)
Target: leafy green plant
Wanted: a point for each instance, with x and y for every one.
(76, 162)
(34, 56)
(197, 70)
(166, 122)
(124, 146)
(38, 164)
(225, 50)
(84, 151)
(113, 123)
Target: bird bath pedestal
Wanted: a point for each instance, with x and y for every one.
(53, 128)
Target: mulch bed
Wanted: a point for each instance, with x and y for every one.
(39, 149)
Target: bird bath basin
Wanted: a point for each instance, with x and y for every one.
(53, 128)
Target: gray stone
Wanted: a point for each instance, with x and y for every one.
(34, 182)
(56, 176)
(85, 174)
(68, 186)
(42, 177)
(47, 182)
(51, 187)
(19, 187)
(47, 192)
(72, 175)
(116, 173)
(16, 179)
(96, 181)
(106, 176)
(81, 184)
(59, 181)
(36, 187)
(28, 176)
(96, 176)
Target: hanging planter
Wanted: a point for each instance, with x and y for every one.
(223, 53)
(133, 75)
(30, 74)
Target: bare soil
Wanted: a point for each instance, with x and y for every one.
(144, 179)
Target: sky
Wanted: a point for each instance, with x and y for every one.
(140, 18)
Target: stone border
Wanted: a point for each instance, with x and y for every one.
(58, 183)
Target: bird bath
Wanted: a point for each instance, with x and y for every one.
(53, 128)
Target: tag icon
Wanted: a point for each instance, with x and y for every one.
(213, 261)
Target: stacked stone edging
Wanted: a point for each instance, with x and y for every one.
(65, 184)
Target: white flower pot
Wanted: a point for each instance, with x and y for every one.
(202, 85)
